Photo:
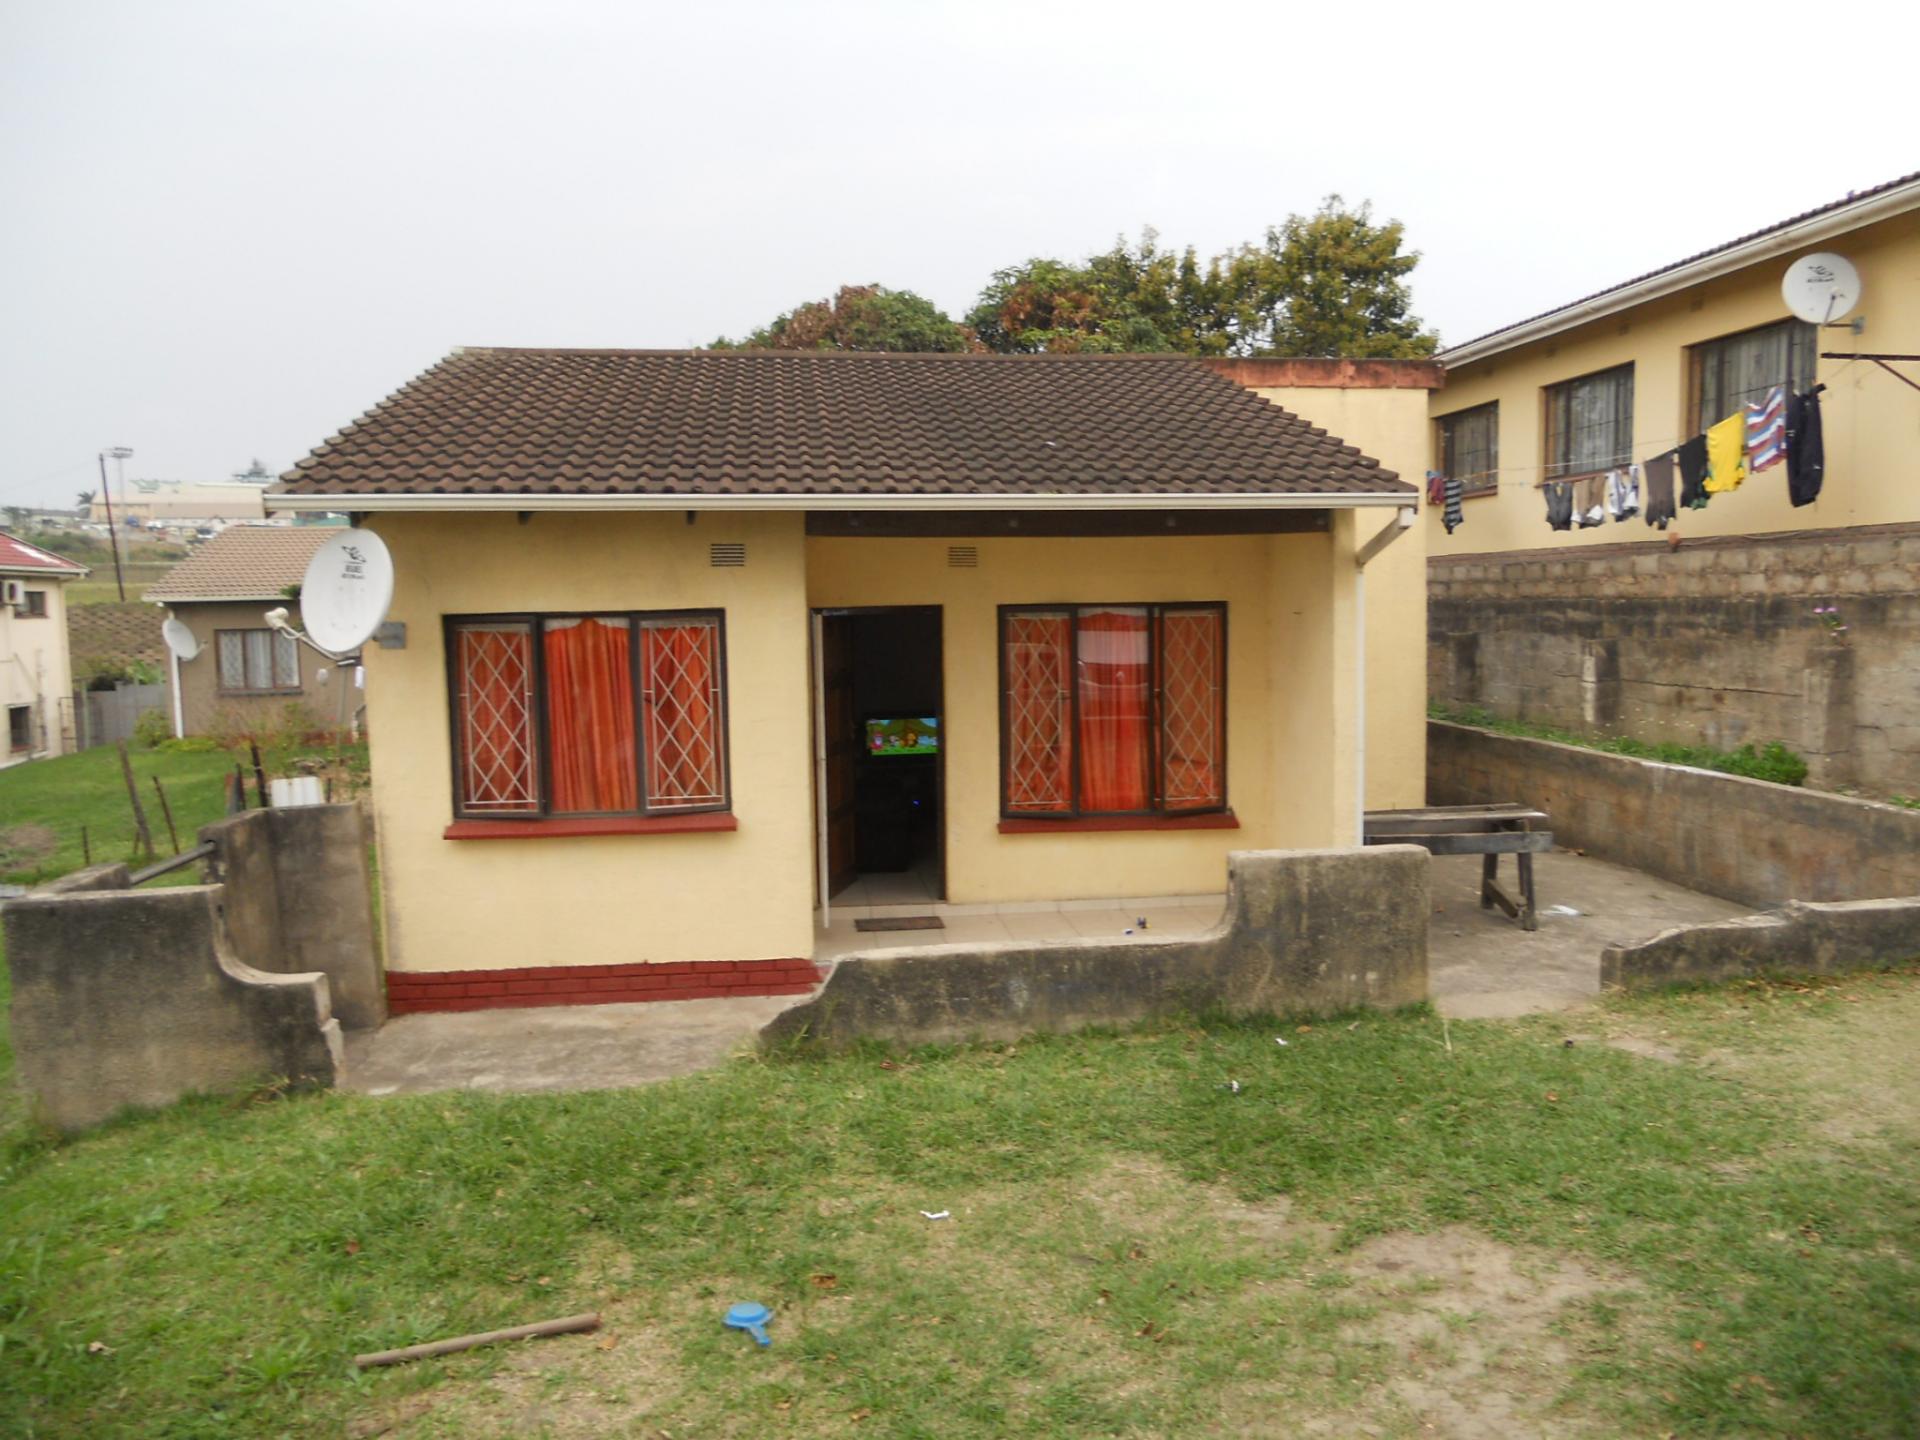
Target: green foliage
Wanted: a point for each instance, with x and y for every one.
(861, 317)
(1772, 761)
(151, 728)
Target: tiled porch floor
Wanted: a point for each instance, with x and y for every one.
(1109, 919)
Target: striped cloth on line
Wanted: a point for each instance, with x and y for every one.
(1767, 431)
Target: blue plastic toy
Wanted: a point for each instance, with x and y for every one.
(751, 1318)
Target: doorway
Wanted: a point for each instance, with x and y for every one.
(883, 745)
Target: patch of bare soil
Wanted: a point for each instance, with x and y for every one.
(1481, 1333)
(24, 846)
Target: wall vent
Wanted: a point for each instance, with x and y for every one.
(963, 557)
(727, 552)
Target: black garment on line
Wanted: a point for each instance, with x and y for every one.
(1450, 515)
(1657, 487)
(1806, 448)
(1693, 472)
(1559, 505)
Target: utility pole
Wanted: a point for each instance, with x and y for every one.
(113, 533)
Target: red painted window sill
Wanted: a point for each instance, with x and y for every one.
(1224, 821)
(706, 820)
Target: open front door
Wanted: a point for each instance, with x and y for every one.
(841, 748)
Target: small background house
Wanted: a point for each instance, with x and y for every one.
(244, 676)
(36, 673)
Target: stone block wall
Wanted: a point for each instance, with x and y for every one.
(1746, 840)
(1712, 641)
(1305, 932)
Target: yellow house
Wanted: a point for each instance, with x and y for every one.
(36, 672)
(692, 641)
(1786, 609)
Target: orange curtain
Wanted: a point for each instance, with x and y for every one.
(1192, 716)
(1039, 713)
(590, 737)
(1115, 679)
(496, 719)
(680, 683)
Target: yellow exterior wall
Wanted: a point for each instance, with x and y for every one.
(1871, 420)
(1284, 758)
(1390, 425)
(607, 899)
(35, 668)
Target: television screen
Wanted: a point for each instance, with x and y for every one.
(909, 735)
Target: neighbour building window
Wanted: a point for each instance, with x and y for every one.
(1470, 448)
(589, 714)
(257, 662)
(19, 728)
(1113, 709)
(1590, 423)
(35, 607)
(1739, 369)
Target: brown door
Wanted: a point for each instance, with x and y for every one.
(842, 747)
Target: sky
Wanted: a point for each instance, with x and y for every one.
(230, 228)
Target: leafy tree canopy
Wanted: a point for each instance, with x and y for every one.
(861, 317)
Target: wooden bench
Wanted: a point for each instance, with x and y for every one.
(1485, 830)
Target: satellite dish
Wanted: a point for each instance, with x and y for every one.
(1821, 288)
(348, 586)
(180, 640)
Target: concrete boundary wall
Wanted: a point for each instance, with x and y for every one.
(1305, 932)
(1750, 841)
(1797, 940)
(135, 998)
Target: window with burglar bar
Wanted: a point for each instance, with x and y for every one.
(1740, 369)
(621, 714)
(1113, 710)
(1470, 448)
(257, 662)
(1590, 423)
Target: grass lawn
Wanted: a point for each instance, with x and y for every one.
(1375, 1234)
(45, 803)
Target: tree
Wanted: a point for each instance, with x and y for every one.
(256, 473)
(861, 317)
(1330, 283)
(1124, 299)
(85, 502)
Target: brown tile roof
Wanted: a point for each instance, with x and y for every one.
(17, 555)
(710, 423)
(243, 562)
(1851, 198)
(116, 630)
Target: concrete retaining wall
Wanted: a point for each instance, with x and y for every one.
(299, 899)
(134, 998)
(1747, 840)
(1305, 932)
(1798, 940)
(1713, 642)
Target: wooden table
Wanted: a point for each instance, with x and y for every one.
(1489, 831)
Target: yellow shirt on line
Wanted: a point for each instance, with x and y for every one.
(1727, 453)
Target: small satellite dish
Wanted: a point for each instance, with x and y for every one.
(1821, 288)
(180, 640)
(348, 586)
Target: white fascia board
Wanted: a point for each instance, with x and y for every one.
(1179, 501)
(1669, 282)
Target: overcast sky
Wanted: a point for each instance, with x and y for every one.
(230, 228)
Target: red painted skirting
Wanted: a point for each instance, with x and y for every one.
(409, 992)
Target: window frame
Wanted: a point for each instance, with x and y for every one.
(33, 604)
(544, 813)
(1489, 484)
(1156, 715)
(1553, 469)
(15, 713)
(1697, 362)
(219, 681)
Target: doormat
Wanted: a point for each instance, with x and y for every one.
(902, 922)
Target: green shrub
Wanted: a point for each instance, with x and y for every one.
(1773, 761)
(151, 729)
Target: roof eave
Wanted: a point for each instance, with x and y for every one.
(1213, 500)
(1668, 282)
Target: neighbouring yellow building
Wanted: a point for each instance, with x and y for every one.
(1755, 620)
(697, 643)
(36, 671)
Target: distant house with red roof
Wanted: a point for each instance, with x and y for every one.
(36, 672)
